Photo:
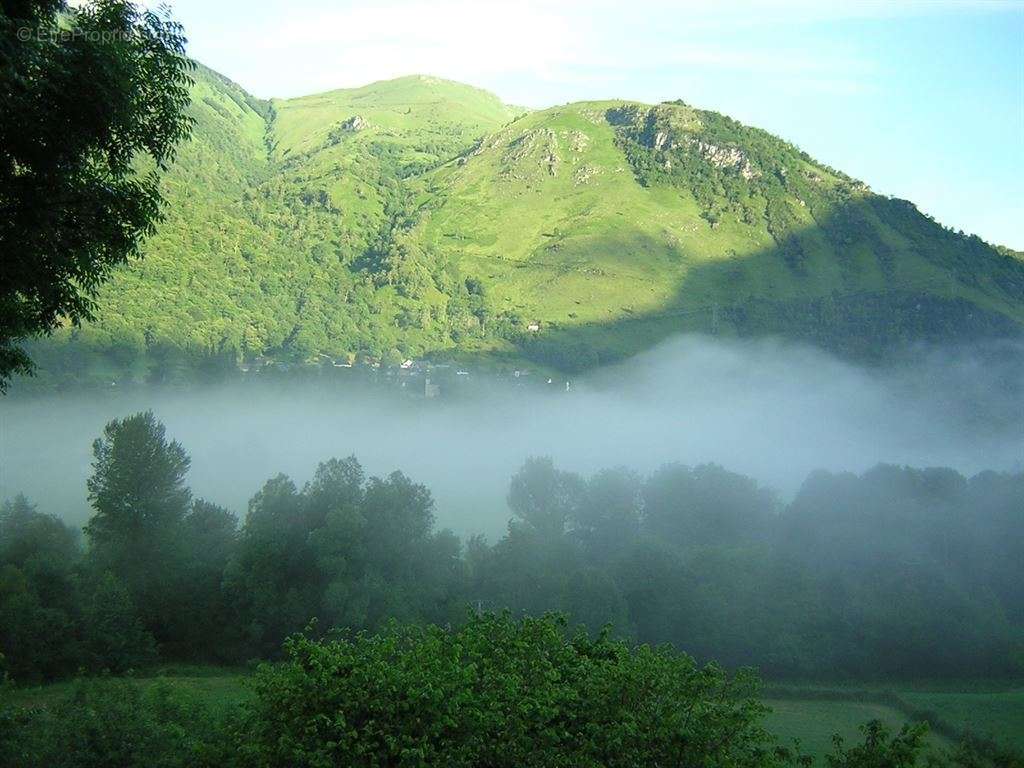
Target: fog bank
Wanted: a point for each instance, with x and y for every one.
(770, 410)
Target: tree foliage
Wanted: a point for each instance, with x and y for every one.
(896, 571)
(91, 108)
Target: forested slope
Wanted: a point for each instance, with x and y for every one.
(419, 216)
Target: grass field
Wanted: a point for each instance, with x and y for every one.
(991, 710)
(996, 714)
(221, 689)
(813, 723)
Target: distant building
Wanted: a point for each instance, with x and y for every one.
(533, 327)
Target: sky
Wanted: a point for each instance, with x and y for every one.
(920, 100)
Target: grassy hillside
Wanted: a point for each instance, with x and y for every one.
(419, 216)
(614, 224)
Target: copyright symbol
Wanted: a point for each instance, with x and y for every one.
(24, 34)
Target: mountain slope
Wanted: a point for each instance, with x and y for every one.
(419, 216)
(274, 211)
(599, 216)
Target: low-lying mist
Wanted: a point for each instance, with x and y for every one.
(767, 409)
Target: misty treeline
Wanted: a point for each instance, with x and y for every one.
(897, 571)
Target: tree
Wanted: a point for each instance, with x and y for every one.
(880, 749)
(995, 513)
(38, 592)
(114, 636)
(92, 104)
(914, 554)
(209, 540)
(273, 578)
(544, 497)
(335, 496)
(409, 571)
(608, 518)
(37, 641)
(336, 487)
(42, 547)
(349, 551)
(540, 566)
(138, 491)
(706, 506)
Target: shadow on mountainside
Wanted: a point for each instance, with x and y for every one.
(873, 280)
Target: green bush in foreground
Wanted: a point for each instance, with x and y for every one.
(495, 693)
(500, 692)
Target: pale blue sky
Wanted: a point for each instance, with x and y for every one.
(922, 100)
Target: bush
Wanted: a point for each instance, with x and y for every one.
(499, 692)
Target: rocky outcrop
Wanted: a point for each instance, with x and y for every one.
(677, 127)
(578, 141)
(724, 157)
(538, 147)
(584, 174)
(354, 124)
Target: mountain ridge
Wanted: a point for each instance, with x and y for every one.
(420, 216)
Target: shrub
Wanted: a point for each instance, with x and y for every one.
(499, 692)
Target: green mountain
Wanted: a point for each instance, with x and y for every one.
(421, 216)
